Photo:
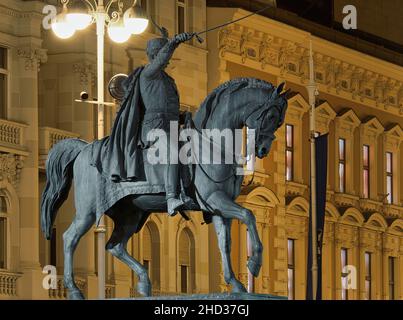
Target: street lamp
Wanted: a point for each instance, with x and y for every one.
(120, 26)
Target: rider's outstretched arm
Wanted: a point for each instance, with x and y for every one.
(161, 60)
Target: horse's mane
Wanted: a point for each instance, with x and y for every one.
(230, 86)
(246, 82)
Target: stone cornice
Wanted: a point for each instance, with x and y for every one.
(263, 43)
(15, 13)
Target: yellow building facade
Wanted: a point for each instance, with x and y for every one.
(360, 106)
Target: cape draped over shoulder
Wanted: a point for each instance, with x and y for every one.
(119, 156)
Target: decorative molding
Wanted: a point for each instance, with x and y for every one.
(10, 167)
(33, 57)
(346, 123)
(368, 205)
(334, 73)
(345, 200)
(392, 211)
(392, 138)
(12, 13)
(86, 71)
(294, 188)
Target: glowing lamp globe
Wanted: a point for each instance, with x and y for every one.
(135, 20)
(79, 21)
(118, 32)
(61, 27)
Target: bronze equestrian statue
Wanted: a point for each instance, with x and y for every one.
(113, 176)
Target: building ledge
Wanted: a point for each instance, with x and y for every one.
(368, 205)
(345, 199)
(293, 188)
(392, 211)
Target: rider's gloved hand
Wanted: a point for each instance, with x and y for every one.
(183, 37)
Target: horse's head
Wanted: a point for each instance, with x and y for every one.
(267, 119)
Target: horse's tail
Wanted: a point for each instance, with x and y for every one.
(59, 175)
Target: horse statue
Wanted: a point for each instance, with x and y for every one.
(241, 102)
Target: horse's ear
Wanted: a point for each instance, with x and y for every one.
(286, 93)
(280, 88)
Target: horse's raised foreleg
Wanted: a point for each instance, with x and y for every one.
(223, 230)
(117, 246)
(79, 226)
(227, 208)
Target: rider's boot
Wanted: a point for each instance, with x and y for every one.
(173, 205)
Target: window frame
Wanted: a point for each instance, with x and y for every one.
(389, 174)
(366, 168)
(6, 73)
(187, 268)
(291, 268)
(344, 290)
(185, 5)
(289, 149)
(368, 275)
(342, 162)
(6, 241)
(392, 277)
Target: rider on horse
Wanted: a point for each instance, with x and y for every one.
(150, 102)
(161, 101)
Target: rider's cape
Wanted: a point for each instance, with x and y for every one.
(119, 156)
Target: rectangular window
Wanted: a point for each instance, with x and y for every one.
(3, 82)
(184, 279)
(392, 278)
(368, 274)
(389, 176)
(291, 269)
(181, 15)
(289, 152)
(365, 170)
(344, 274)
(3, 243)
(342, 165)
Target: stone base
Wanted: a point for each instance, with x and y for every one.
(215, 296)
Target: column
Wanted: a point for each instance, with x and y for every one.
(24, 108)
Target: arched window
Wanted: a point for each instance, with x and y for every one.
(151, 253)
(3, 232)
(187, 261)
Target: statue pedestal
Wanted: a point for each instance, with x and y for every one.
(215, 296)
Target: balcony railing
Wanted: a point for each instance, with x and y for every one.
(8, 283)
(49, 137)
(12, 137)
(109, 291)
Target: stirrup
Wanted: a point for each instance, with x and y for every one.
(173, 205)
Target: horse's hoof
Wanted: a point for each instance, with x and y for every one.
(254, 266)
(144, 288)
(238, 287)
(75, 295)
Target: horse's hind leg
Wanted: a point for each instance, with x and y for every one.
(223, 230)
(125, 225)
(79, 226)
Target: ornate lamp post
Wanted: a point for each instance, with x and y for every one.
(120, 26)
